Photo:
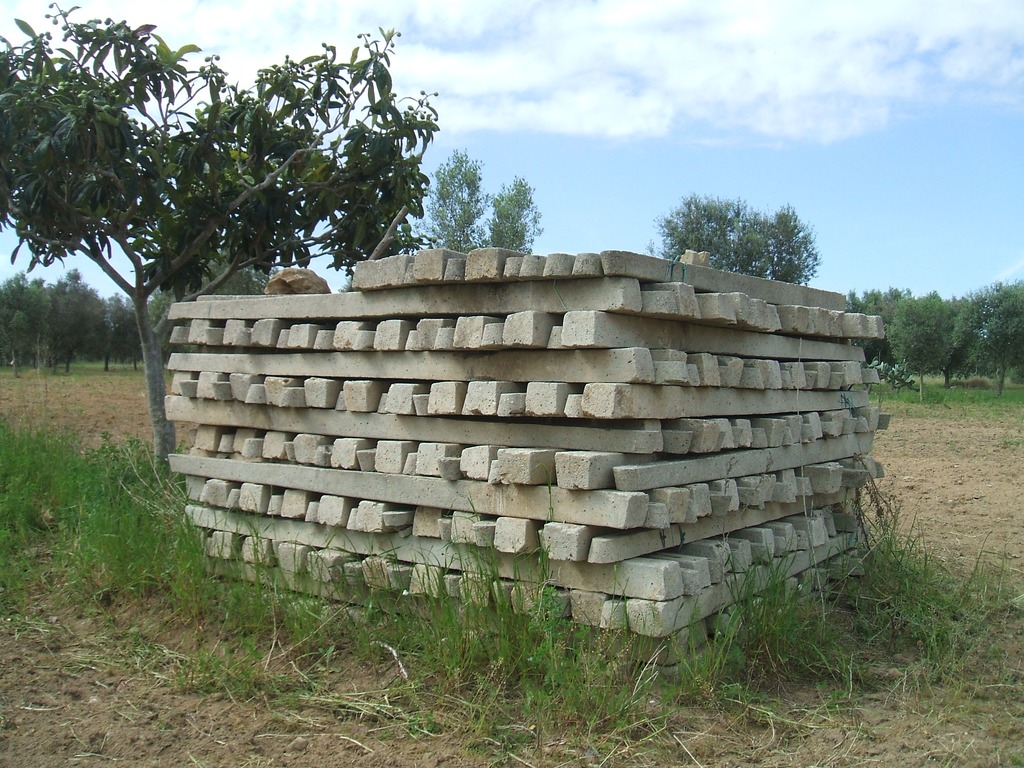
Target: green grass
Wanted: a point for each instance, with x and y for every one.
(105, 533)
(907, 605)
(107, 528)
(518, 659)
(957, 402)
(85, 370)
(909, 601)
(33, 501)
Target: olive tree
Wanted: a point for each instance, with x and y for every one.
(882, 303)
(457, 210)
(121, 333)
(995, 317)
(76, 326)
(515, 218)
(111, 143)
(922, 333)
(24, 321)
(777, 246)
(456, 205)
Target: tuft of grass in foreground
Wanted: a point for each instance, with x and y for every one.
(500, 661)
(776, 634)
(122, 537)
(909, 601)
(780, 630)
(906, 605)
(33, 500)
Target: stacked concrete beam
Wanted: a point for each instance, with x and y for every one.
(638, 433)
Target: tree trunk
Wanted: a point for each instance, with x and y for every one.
(946, 382)
(920, 388)
(1000, 379)
(156, 389)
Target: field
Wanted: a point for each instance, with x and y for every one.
(91, 675)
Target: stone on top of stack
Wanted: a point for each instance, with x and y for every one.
(637, 433)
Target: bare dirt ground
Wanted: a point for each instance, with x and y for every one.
(960, 482)
(70, 695)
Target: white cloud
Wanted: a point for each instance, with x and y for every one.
(1010, 272)
(819, 71)
(788, 69)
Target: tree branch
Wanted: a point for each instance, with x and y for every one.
(222, 278)
(212, 224)
(389, 236)
(95, 254)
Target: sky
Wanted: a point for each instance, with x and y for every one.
(895, 128)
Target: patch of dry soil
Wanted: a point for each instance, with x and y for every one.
(960, 484)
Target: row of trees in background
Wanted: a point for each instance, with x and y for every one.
(981, 333)
(46, 325)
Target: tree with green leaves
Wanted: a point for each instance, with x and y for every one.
(457, 210)
(111, 142)
(24, 319)
(961, 348)
(76, 325)
(922, 333)
(776, 246)
(515, 218)
(883, 304)
(995, 317)
(120, 333)
(456, 204)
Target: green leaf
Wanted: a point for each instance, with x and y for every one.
(185, 50)
(163, 50)
(25, 27)
(43, 147)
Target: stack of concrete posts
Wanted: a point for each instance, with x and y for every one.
(638, 436)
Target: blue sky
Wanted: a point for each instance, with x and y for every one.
(894, 128)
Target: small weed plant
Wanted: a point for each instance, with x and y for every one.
(513, 654)
(778, 630)
(909, 601)
(906, 604)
